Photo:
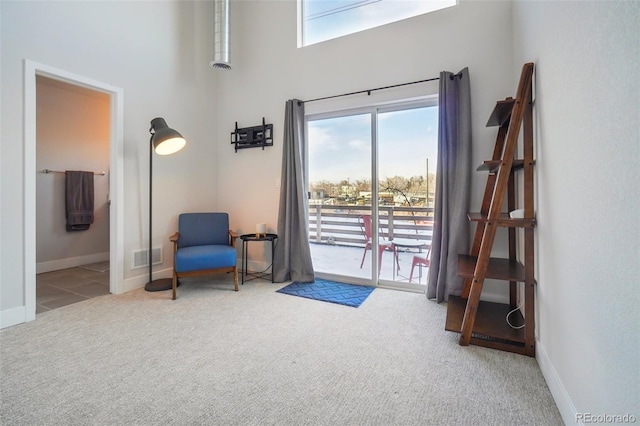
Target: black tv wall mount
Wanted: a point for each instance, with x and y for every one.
(252, 137)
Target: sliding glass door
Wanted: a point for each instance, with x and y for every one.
(371, 177)
(339, 167)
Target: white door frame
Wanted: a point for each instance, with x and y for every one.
(116, 177)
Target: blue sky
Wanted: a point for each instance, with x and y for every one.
(340, 148)
(327, 19)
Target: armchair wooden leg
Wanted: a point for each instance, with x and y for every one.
(174, 285)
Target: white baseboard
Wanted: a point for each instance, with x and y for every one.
(558, 391)
(141, 280)
(13, 316)
(71, 262)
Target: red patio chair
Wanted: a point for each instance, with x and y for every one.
(365, 225)
(420, 260)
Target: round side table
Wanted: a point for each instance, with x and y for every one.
(247, 238)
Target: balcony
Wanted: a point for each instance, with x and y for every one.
(337, 241)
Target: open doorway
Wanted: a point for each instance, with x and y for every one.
(72, 134)
(112, 197)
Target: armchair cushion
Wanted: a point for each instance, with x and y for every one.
(199, 258)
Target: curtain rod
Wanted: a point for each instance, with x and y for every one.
(58, 171)
(368, 92)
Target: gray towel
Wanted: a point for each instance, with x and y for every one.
(79, 200)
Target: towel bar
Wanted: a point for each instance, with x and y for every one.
(57, 171)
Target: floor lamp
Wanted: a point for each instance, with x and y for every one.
(164, 141)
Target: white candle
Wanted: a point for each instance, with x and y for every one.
(261, 229)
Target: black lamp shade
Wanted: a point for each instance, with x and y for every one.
(165, 140)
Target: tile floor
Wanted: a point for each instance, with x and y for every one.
(66, 286)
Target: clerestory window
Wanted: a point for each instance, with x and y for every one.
(327, 19)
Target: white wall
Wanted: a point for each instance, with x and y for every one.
(268, 69)
(72, 134)
(1, 162)
(587, 127)
(158, 53)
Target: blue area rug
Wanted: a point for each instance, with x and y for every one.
(329, 291)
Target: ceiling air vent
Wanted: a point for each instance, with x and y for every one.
(221, 54)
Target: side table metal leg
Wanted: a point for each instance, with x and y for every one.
(244, 260)
(272, 252)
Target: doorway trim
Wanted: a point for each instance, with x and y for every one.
(116, 176)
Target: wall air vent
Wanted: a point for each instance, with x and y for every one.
(141, 257)
(221, 53)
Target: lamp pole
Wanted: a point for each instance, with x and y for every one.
(164, 141)
(150, 254)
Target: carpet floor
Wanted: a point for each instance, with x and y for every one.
(254, 357)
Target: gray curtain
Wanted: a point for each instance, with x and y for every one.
(453, 180)
(292, 259)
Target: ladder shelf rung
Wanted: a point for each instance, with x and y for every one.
(501, 113)
(492, 166)
(504, 220)
(498, 268)
(490, 325)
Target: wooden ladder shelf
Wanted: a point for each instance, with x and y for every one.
(486, 323)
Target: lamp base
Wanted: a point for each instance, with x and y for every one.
(160, 285)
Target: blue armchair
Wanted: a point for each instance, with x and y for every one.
(204, 244)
